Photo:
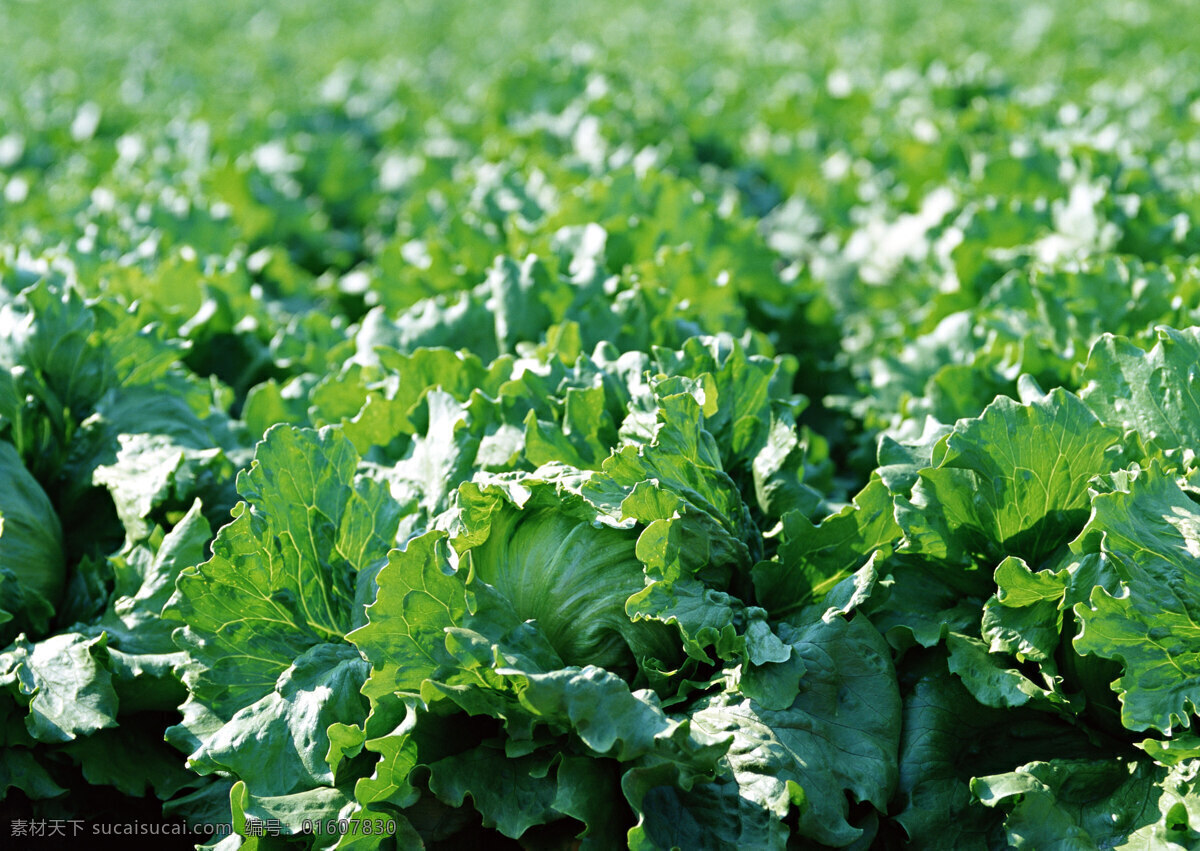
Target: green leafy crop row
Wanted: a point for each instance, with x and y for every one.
(425, 426)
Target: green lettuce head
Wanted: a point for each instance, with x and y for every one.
(574, 579)
(32, 567)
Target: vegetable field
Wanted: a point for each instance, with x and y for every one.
(585, 426)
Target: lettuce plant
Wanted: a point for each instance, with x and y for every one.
(32, 565)
(782, 443)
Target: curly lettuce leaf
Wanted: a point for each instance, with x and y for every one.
(839, 735)
(1148, 392)
(1012, 482)
(287, 573)
(1150, 534)
(1113, 803)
